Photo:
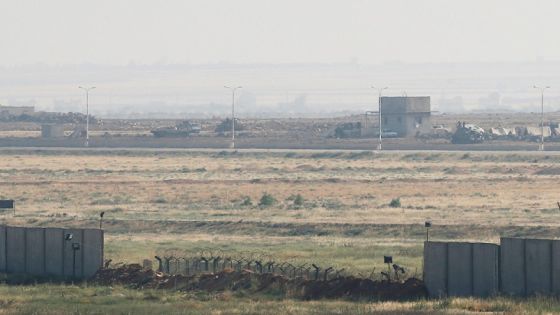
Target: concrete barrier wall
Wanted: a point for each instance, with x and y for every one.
(45, 252)
(93, 253)
(538, 272)
(435, 268)
(35, 251)
(485, 269)
(512, 266)
(519, 267)
(54, 249)
(3, 235)
(461, 269)
(556, 267)
(529, 266)
(15, 250)
(73, 261)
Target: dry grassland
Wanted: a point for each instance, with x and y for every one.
(190, 200)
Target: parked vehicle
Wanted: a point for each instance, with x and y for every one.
(183, 129)
(468, 134)
(386, 133)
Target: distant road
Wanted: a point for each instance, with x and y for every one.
(214, 150)
(263, 144)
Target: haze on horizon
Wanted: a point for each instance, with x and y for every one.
(119, 34)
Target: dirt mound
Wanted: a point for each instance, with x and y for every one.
(135, 277)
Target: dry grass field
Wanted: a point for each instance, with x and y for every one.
(343, 209)
(62, 300)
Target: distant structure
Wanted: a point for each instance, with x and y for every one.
(16, 110)
(408, 116)
(52, 131)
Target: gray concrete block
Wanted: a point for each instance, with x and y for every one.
(54, 252)
(73, 260)
(538, 257)
(485, 269)
(2, 248)
(460, 273)
(92, 251)
(512, 266)
(555, 268)
(35, 251)
(15, 248)
(435, 268)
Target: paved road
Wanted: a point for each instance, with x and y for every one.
(214, 150)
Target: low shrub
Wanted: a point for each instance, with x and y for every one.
(395, 203)
(267, 200)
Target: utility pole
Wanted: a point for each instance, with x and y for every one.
(87, 89)
(233, 89)
(379, 91)
(541, 147)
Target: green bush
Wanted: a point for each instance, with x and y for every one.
(267, 200)
(298, 200)
(395, 203)
(247, 201)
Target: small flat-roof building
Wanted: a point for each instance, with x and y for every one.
(16, 110)
(52, 131)
(407, 116)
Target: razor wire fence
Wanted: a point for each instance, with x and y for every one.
(209, 260)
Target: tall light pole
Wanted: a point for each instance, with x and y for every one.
(541, 148)
(87, 89)
(233, 89)
(379, 91)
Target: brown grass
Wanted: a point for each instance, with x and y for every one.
(491, 192)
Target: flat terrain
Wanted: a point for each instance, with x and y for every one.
(62, 300)
(274, 133)
(352, 207)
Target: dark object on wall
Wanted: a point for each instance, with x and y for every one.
(7, 204)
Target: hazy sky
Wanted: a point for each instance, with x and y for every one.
(261, 31)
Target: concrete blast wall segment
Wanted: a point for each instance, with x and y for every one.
(3, 235)
(46, 252)
(529, 266)
(538, 260)
(435, 268)
(54, 246)
(35, 251)
(15, 250)
(460, 269)
(486, 271)
(73, 259)
(520, 267)
(93, 253)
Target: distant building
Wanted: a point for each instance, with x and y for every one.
(16, 110)
(52, 131)
(407, 116)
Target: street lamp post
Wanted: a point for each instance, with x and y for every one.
(233, 89)
(87, 89)
(541, 148)
(379, 91)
